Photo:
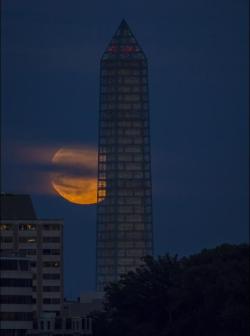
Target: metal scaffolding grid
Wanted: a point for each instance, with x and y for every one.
(124, 192)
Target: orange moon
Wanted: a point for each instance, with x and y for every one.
(74, 177)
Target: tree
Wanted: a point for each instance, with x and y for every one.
(204, 294)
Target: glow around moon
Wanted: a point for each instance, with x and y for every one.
(75, 174)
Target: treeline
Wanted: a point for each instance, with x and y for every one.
(206, 294)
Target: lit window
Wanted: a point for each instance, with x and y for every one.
(27, 227)
(5, 227)
(27, 240)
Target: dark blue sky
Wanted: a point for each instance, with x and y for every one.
(198, 71)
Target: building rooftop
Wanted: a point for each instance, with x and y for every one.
(16, 206)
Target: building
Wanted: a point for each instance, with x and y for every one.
(124, 211)
(86, 303)
(70, 325)
(42, 241)
(16, 309)
(74, 320)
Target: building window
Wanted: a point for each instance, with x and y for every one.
(51, 227)
(8, 265)
(51, 301)
(51, 239)
(51, 276)
(16, 299)
(5, 227)
(9, 282)
(27, 240)
(51, 251)
(6, 239)
(51, 288)
(16, 316)
(58, 323)
(27, 227)
(68, 323)
(28, 251)
(83, 323)
(53, 264)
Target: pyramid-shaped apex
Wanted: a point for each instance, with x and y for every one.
(123, 43)
(123, 23)
(123, 30)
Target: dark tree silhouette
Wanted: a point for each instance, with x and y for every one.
(204, 294)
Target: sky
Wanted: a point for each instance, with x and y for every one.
(197, 52)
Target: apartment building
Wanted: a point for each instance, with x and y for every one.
(41, 240)
(16, 309)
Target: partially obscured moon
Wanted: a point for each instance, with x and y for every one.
(74, 174)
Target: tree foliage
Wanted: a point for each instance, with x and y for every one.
(204, 294)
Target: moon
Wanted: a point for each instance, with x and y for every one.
(74, 175)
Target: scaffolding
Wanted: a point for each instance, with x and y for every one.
(124, 192)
